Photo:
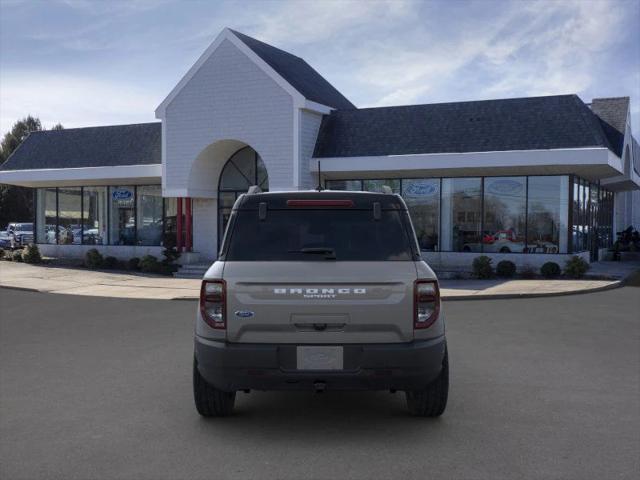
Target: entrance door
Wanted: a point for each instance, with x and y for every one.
(243, 170)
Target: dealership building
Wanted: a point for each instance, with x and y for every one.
(528, 179)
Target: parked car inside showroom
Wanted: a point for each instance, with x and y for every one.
(20, 234)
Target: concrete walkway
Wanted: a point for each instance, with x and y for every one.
(75, 281)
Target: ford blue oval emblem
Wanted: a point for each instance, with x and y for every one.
(244, 314)
(506, 187)
(121, 194)
(421, 189)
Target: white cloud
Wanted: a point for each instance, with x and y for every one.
(73, 101)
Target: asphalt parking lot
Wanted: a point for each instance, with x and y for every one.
(101, 388)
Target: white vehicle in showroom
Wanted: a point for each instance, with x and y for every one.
(320, 291)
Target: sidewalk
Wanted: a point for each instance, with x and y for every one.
(75, 281)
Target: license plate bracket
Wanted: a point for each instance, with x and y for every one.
(319, 357)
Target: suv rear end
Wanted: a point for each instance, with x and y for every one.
(315, 291)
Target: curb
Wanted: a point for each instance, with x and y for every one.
(506, 296)
(24, 289)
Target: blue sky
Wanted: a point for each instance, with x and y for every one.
(84, 63)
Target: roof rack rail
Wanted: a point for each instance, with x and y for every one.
(253, 189)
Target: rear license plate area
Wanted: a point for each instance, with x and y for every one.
(319, 357)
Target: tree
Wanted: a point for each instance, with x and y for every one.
(16, 203)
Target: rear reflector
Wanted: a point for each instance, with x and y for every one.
(320, 203)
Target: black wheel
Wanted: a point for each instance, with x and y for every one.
(211, 402)
(432, 401)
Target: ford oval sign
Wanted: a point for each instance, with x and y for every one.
(244, 314)
(506, 187)
(122, 194)
(421, 189)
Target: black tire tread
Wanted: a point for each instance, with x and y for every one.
(211, 402)
(432, 401)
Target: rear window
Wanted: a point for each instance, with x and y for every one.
(319, 235)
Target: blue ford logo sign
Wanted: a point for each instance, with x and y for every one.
(244, 314)
(421, 189)
(122, 194)
(506, 187)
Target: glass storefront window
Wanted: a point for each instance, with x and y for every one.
(69, 216)
(547, 215)
(122, 220)
(170, 218)
(461, 215)
(422, 197)
(149, 215)
(46, 216)
(505, 200)
(376, 185)
(94, 216)
(351, 185)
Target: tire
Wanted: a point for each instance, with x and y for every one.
(211, 402)
(432, 401)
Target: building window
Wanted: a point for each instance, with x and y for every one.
(350, 185)
(244, 169)
(505, 200)
(46, 215)
(461, 214)
(149, 215)
(69, 216)
(547, 214)
(376, 185)
(94, 215)
(122, 218)
(422, 197)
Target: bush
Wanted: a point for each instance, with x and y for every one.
(528, 272)
(133, 263)
(165, 269)
(149, 264)
(31, 254)
(16, 256)
(506, 269)
(93, 259)
(1, 253)
(576, 267)
(482, 267)
(550, 270)
(110, 263)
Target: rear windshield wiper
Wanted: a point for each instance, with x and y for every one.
(329, 253)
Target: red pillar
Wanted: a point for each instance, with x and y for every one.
(188, 242)
(179, 225)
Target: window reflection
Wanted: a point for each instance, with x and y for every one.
(122, 221)
(46, 216)
(422, 197)
(461, 214)
(149, 215)
(505, 200)
(94, 216)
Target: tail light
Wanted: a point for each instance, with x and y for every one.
(213, 299)
(426, 303)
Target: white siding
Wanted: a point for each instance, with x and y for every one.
(205, 231)
(309, 127)
(229, 98)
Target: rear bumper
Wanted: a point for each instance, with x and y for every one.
(390, 366)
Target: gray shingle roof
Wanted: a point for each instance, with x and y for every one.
(298, 73)
(532, 123)
(138, 144)
(613, 115)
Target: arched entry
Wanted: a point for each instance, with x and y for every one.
(243, 169)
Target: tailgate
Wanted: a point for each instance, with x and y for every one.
(320, 302)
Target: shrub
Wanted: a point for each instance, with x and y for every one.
(165, 269)
(482, 267)
(528, 272)
(550, 270)
(506, 269)
(110, 263)
(170, 251)
(576, 267)
(16, 256)
(31, 254)
(1, 253)
(133, 263)
(93, 259)
(149, 264)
